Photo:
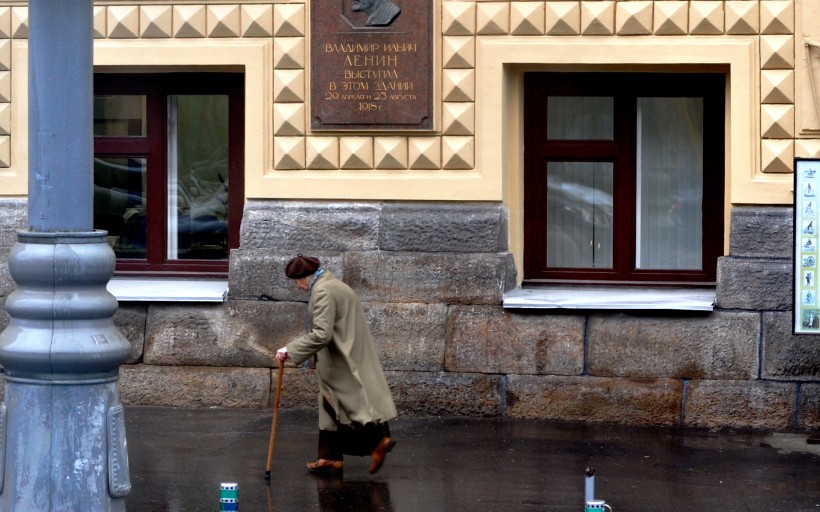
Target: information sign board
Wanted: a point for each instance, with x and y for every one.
(806, 289)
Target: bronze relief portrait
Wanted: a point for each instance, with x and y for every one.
(380, 13)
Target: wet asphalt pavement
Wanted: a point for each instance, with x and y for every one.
(179, 458)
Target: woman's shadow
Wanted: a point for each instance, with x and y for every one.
(337, 494)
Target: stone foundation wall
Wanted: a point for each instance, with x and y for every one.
(13, 217)
(432, 277)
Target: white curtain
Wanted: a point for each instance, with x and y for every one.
(670, 183)
(580, 117)
(173, 180)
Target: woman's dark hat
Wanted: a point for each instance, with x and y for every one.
(301, 266)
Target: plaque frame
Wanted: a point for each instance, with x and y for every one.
(372, 77)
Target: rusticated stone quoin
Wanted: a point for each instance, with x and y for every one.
(187, 386)
(130, 320)
(740, 404)
(240, 333)
(258, 272)
(447, 394)
(4, 317)
(755, 284)
(595, 399)
(13, 214)
(761, 232)
(300, 388)
(487, 339)
(415, 393)
(310, 227)
(451, 278)
(408, 337)
(787, 356)
(809, 417)
(721, 345)
(6, 282)
(432, 276)
(442, 228)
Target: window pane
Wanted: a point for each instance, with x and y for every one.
(580, 118)
(119, 116)
(119, 204)
(579, 214)
(198, 177)
(670, 183)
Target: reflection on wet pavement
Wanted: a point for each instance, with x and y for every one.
(179, 458)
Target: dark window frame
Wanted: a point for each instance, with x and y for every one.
(626, 88)
(157, 87)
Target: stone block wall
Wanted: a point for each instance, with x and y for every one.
(756, 278)
(432, 277)
(13, 217)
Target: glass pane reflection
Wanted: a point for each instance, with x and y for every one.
(119, 115)
(580, 118)
(197, 177)
(119, 204)
(579, 214)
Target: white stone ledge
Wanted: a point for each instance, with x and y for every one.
(566, 297)
(140, 289)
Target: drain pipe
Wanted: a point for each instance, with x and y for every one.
(64, 445)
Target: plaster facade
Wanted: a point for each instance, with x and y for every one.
(428, 226)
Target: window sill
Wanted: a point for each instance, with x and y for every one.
(566, 297)
(137, 289)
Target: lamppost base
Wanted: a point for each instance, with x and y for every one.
(64, 445)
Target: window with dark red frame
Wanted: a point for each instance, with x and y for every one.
(623, 177)
(168, 170)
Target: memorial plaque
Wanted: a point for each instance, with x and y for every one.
(371, 64)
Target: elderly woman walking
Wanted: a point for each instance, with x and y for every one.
(355, 403)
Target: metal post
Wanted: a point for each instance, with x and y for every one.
(60, 117)
(62, 433)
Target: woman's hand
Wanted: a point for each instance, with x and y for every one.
(282, 354)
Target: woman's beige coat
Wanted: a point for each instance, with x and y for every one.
(351, 377)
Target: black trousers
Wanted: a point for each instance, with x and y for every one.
(350, 439)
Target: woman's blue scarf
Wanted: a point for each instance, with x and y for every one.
(316, 276)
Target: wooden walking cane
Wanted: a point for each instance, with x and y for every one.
(275, 418)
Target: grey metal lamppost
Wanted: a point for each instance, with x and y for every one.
(62, 435)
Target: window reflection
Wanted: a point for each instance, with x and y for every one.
(197, 177)
(119, 204)
(579, 214)
(117, 115)
(580, 118)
